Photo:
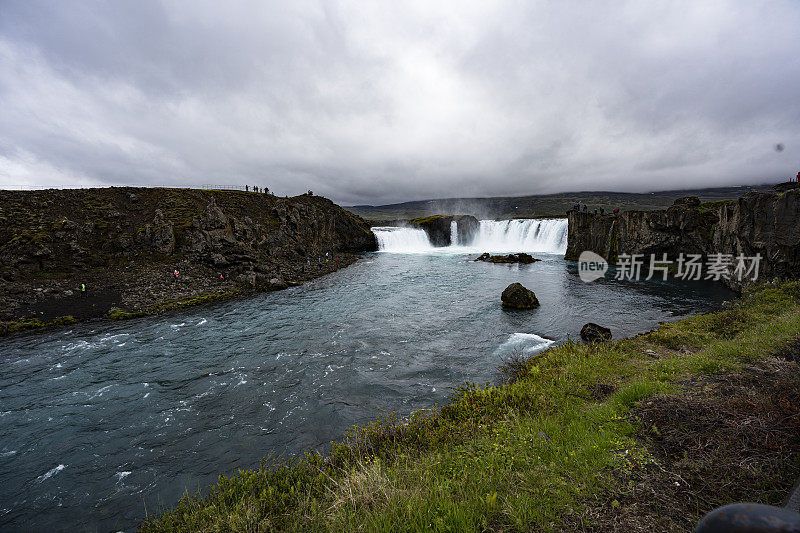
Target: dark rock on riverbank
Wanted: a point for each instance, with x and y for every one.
(439, 228)
(765, 223)
(592, 333)
(521, 258)
(518, 297)
(124, 243)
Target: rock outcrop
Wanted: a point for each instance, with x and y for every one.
(123, 240)
(159, 236)
(786, 186)
(521, 258)
(517, 296)
(592, 333)
(765, 223)
(439, 228)
(64, 230)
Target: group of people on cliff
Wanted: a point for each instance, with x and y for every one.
(265, 190)
(256, 188)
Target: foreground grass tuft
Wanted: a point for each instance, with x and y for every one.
(532, 453)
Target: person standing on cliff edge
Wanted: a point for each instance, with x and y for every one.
(798, 177)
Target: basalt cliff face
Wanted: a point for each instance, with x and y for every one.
(125, 242)
(766, 223)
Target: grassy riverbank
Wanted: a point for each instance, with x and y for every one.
(577, 437)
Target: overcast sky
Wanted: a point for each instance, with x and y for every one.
(379, 102)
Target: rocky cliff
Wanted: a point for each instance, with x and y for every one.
(439, 228)
(127, 241)
(766, 223)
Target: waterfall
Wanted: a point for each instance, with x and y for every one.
(608, 239)
(402, 240)
(543, 236)
(529, 235)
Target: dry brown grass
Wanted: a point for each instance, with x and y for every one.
(728, 437)
(366, 486)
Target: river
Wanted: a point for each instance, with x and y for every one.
(104, 421)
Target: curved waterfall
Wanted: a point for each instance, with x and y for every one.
(519, 235)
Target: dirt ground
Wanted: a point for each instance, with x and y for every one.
(730, 437)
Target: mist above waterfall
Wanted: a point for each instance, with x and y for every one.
(547, 236)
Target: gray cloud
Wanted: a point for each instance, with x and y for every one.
(377, 102)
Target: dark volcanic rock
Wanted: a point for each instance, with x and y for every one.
(592, 332)
(687, 201)
(518, 297)
(159, 235)
(131, 239)
(786, 186)
(762, 223)
(439, 228)
(467, 229)
(521, 258)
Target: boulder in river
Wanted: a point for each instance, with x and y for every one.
(519, 297)
(521, 258)
(592, 333)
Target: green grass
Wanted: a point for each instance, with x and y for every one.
(119, 314)
(169, 305)
(525, 455)
(424, 220)
(15, 326)
(710, 206)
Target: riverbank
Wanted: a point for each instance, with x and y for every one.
(141, 290)
(578, 437)
(125, 244)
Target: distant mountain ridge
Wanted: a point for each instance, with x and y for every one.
(546, 204)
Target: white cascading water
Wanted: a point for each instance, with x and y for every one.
(522, 235)
(548, 236)
(402, 240)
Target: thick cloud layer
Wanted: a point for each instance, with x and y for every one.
(376, 102)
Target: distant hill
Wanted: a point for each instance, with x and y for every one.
(543, 205)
